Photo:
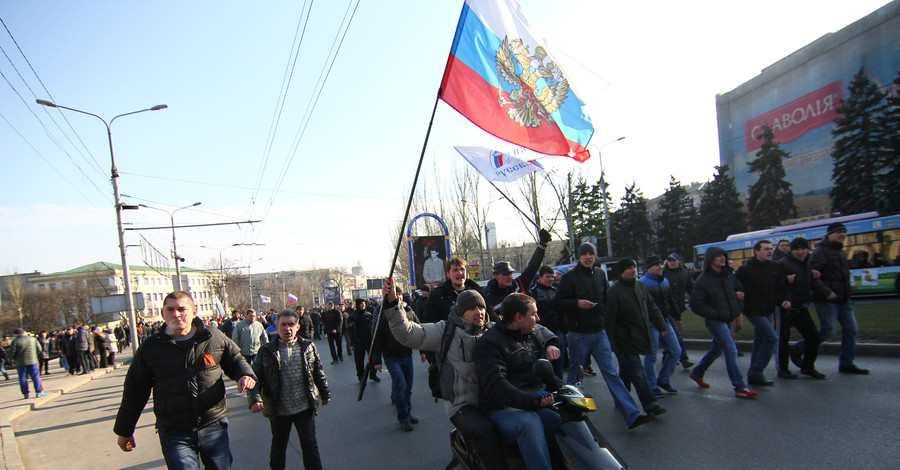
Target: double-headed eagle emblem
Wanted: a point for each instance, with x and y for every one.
(540, 89)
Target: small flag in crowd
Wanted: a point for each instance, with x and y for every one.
(220, 310)
(502, 76)
(265, 299)
(292, 299)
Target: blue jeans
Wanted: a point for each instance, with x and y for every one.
(670, 356)
(29, 371)
(765, 339)
(530, 430)
(596, 345)
(828, 313)
(186, 449)
(721, 342)
(401, 370)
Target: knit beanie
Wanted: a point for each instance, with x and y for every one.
(624, 264)
(586, 248)
(467, 300)
(799, 242)
(836, 227)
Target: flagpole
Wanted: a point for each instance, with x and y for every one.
(412, 191)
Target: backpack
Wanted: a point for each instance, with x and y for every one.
(434, 369)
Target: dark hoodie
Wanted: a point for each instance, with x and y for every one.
(714, 295)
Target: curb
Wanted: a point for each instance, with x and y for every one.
(833, 349)
(10, 458)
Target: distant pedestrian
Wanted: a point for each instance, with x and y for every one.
(796, 265)
(249, 335)
(182, 365)
(682, 281)
(24, 351)
(333, 321)
(44, 363)
(83, 348)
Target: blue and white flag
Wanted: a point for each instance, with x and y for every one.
(509, 166)
(265, 299)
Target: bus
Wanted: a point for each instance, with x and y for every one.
(872, 247)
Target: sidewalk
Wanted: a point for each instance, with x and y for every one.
(12, 405)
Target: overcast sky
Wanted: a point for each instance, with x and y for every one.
(329, 186)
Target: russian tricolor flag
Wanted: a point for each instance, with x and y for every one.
(292, 298)
(502, 77)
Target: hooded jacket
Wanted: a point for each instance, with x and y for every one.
(804, 284)
(186, 380)
(681, 281)
(714, 295)
(829, 259)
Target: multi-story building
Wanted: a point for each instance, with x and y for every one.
(798, 98)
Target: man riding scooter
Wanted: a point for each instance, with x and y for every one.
(513, 396)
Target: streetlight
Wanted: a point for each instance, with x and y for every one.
(609, 251)
(174, 247)
(222, 265)
(129, 304)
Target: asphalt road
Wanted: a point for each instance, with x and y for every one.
(842, 422)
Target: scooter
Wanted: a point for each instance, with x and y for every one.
(582, 446)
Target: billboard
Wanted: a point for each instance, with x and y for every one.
(430, 254)
(798, 97)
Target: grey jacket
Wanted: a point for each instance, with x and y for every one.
(24, 350)
(249, 336)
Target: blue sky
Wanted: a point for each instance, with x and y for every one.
(651, 71)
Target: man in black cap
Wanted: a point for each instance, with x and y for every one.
(629, 313)
(419, 304)
(503, 283)
(829, 262)
(581, 298)
(796, 266)
(682, 282)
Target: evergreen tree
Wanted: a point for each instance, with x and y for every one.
(631, 230)
(721, 209)
(861, 149)
(587, 211)
(771, 198)
(890, 171)
(675, 221)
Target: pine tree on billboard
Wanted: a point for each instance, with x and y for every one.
(721, 209)
(891, 164)
(675, 221)
(771, 199)
(860, 149)
(631, 229)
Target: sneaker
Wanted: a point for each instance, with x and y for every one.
(699, 381)
(687, 364)
(26, 397)
(813, 373)
(656, 411)
(641, 419)
(745, 393)
(786, 374)
(658, 393)
(759, 380)
(406, 427)
(589, 372)
(413, 419)
(41, 394)
(852, 369)
(668, 388)
(374, 378)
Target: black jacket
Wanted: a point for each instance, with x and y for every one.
(582, 283)
(629, 311)
(494, 294)
(186, 380)
(332, 320)
(714, 295)
(545, 298)
(307, 329)
(829, 259)
(363, 320)
(765, 287)
(443, 297)
(803, 285)
(504, 359)
(385, 344)
(266, 366)
(681, 282)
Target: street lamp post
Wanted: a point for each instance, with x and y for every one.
(174, 246)
(222, 267)
(129, 304)
(605, 188)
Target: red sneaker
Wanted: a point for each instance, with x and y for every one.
(699, 381)
(745, 393)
